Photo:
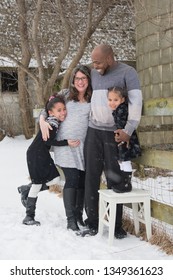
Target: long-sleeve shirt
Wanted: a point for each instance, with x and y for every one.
(120, 75)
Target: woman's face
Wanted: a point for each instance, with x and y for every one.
(80, 82)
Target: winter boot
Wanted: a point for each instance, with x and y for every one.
(24, 191)
(30, 212)
(80, 206)
(69, 197)
(125, 185)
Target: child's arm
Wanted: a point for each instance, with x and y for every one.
(54, 142)
(44, 126)
(51, 141)
(120, 118)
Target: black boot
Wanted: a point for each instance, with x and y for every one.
(69, 197)
(24, 191)
(125, 185)
(80, 206)
(30, 212)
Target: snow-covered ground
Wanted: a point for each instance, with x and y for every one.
(51, 241)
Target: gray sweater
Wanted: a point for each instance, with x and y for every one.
(73, 127)
(121, 75)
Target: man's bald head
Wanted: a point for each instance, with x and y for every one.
(104, 49)
(102, 58)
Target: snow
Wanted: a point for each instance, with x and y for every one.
(51, 241)
(7, 62)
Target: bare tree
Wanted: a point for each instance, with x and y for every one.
(91, 25)
(47, 31)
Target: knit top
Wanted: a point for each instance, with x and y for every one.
(120, 75)
(73, 127)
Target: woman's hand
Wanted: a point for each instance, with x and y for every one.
(44, 126)
(73, 143)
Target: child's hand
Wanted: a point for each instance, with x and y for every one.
(73, 143)
(44, 126)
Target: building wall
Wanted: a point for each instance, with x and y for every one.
(10, 120)
(154, 49)
(10, 117)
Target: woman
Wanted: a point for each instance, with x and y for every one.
(71, 159)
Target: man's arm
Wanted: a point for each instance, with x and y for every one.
(134, 105)
(134, 110)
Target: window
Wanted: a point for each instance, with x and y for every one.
(9, 81)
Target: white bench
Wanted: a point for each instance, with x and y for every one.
(108, 200)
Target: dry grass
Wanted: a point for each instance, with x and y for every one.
(56, 189)
(144, 173)
(2, 135)
(159, 238)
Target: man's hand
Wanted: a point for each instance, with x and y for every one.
(73, 143)
(121, 136)
(44, 126)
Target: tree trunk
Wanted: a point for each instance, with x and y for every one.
(27, 120)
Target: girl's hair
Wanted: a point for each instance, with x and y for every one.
(73, 91)
(53, 99)
(121, 92)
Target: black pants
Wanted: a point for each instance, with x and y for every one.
(100, 155)
(74, 178)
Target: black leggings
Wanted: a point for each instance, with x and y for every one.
(74, 178)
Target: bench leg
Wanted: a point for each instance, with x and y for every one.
(135, 217)
(112, 221)
(147, 213)
(101, 214)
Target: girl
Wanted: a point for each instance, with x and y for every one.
(41, 167)
(128, 150)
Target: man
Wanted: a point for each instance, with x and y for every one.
(100, 148)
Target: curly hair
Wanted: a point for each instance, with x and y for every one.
(53, 99)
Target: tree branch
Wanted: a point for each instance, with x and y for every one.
(35, 43)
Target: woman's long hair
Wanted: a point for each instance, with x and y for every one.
(73, 95)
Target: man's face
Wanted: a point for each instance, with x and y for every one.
(99, 61)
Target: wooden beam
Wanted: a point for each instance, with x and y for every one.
(159, 211)
(155, 121)
(162, 212)
(156, 158)
(158, 106)
(148, 139)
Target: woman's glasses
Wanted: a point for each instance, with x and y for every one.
(77, 79)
